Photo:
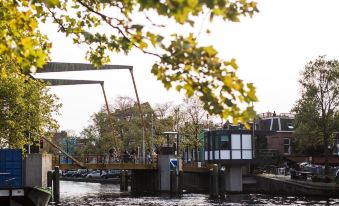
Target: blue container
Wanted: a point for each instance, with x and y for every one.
(10, 168)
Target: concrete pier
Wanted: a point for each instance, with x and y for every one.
(234, 178)
(36, 167)
(164, 172)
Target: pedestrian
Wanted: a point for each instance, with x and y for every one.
(133, 155)
(148, 157)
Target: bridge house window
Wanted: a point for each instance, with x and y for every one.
(225, 142)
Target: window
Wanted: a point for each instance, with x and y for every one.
(206, 142)
(210, 142)
(224, 142)
(217, 142)
(287, 147)
(290, 126)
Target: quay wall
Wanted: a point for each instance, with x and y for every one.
(271, 185)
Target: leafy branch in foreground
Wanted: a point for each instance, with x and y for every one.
(119, 26)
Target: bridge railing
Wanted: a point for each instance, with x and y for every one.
(266, 153)
(104, 159)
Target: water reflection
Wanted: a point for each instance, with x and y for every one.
(80, 193)
(69, 189)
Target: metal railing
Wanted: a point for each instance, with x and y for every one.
(104, 159)
(271, 114)
(266, 153)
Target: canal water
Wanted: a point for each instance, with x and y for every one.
(96, 194)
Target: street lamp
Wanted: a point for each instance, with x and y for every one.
(143, 141)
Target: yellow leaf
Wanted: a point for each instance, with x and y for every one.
(211, 51)
(26, 42)
(143, 45)
(233, 63)
(33, 24)
(152, 38)
(192, 3)
(227, 81)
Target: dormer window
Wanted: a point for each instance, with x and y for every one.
(290, 126)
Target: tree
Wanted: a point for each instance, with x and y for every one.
(194, 122)
(162, 110)
(182, 62)
(127, 127)
(21, 43)
(100, 136)
(26, 109)
(317, 110)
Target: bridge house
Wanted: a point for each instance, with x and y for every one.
(228, 146)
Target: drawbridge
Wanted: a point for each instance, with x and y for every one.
(73, 67)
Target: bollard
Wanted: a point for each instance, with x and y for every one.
(180, 182)
(222, 183)
(56, 185)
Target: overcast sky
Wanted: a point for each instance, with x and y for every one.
(271, 50)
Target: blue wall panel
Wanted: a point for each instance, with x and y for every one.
(10, 168)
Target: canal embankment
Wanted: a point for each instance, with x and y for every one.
(284, 185)
(262, 183)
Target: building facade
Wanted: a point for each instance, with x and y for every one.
(281, 130)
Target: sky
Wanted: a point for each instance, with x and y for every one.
(271, 49)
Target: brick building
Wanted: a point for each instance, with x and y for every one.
(281, 128)
(277, 135)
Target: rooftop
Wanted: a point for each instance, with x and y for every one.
(273, 114)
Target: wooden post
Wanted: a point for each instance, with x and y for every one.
(122, 177)
(210, 185)
(222, 183)
(180, 182)
(133, 182)
(49, 178)
(50, 181)
(214, 186)
(173, 183)
(126, 180)
(215, 179)
(123, 181)
(56, 185)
